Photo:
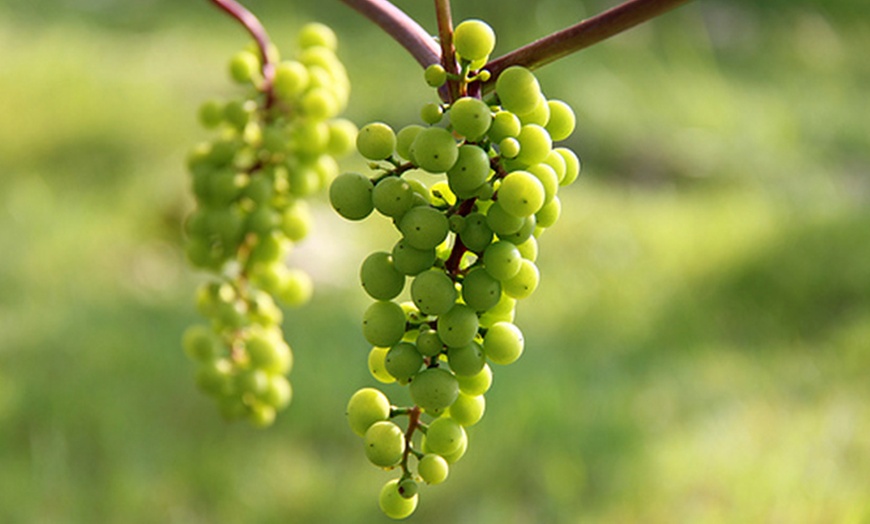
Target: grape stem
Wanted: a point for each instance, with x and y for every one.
(404, 29)
(413, 423)
(581, 35)
(448, 54)
(253, 25)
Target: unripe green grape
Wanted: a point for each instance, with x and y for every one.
(572, 163)
(296, 221)
(404, 138)
(469, 172)
(268, 250)
(408, 488)
(540, 115)
(238, 113)
(433, 292)
(365, 407)
(466, 360)
(557, 162)
(501, 222)
(504, 125)
(480, 290)
(529, 248)
(279, 393)
(476, 234)
(428, 343)
(509, 148)
(252, 381)
(200, 343)
(518, 90)
(351, 196)
(434, 389)
(521, 194)
(458, 326)
(319, 103)
(424, 227)
(410, 260)
(524, 233)
(403, 361)
(326, 168)
(502, 260)
(478, 384)
(435, 75)
(433, 469)
(525, 282)
(215, 377)
(316, 34)
(296, 288)
(199, 252)
(562, 120)
(393, 504)
(454, 457)
(310, 136)
(243, 66)
(261, 221)
(444, 436)
(434, 149)
(549, 214)
(393, 196)
(379, 278)
(503, 343)
(263, 310)
(470, 117)
(504, 311)
(431, 113)
(262, 415)
(377, 365)
(467, 410)
(384, 444)
(268, 354)
(384, 324)
(211, 114)
(376, 141)
(290, 80)
(342, 136)
(548, 178)
(535, 144)
(457, 223)
(474, 39)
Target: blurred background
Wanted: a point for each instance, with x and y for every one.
(698, 350)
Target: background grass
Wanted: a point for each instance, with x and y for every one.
(698, 350)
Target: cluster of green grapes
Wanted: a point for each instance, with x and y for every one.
(468, 245)
(273, 147)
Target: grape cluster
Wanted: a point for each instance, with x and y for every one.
(273, 147)
(468, 246)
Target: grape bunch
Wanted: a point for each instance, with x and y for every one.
(469, 224)
(273, 147)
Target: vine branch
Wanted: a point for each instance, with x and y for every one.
(404, 29)
(445, 37)
(582, 35)
(258, 32)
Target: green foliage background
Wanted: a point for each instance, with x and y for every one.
(698, 350)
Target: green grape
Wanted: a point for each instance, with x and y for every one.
(504, 311)
(458, 326)
(529, 248)
(467, 410)
(238, 113)
(403, 361)
(524, 282)
(521, 194)
(434, 389)
(469, 172)
(384, 323)
(393, 196)
(470, 117)
(433, 469)
(480, 290)
(428, 343)
(261, 415)
(478, 384)
(243, 66)
(525, 232)
(278, 393)
(548, 178)
(502, 260)
(503, 343)
(435, 75)
(393, 504)
(379, 278)
(474, 39)
(410, 260)
(215, 377)
(434, 149)
(351, 196)
(466, 360)
(296, 221)
(376, 141)
(424, 227)
(254, 382)
(540, 115)
(211, 114)
(200, 344)
(509, 148)
(296, 288)
(377, 363)
(261, 221)
(535, 144)
(319, 103)
(408, 488)
(518, 90)
(405, 138)
(562, 120)
(444, 436)
(549, 214)
(572, 163)
(365, 407)
(454, 457)
(500, 221)
(504, 125)
(431, 113)
(316, 34)
(384, 444)
(557, 162)
(476, 234)
(433, 292)
(342, 137)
